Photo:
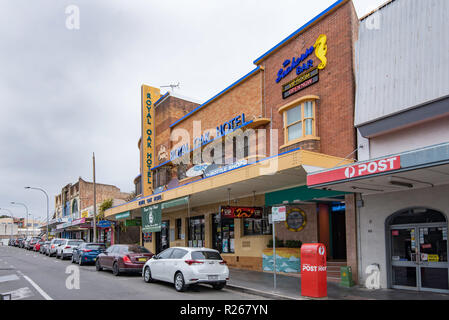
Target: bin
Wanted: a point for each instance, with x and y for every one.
(346, 277)
(313, 270)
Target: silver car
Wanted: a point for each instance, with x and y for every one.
(51, 251)
(44, 247)
(65, 249)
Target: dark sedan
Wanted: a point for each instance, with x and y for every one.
(121, 258)
(87, 253)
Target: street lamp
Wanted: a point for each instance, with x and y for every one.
(22, 204)
(47, 203)
(12, 216)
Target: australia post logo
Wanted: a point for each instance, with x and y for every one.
(355, 171)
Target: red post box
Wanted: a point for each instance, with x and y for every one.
(313, 270)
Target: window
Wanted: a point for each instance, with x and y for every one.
(178, 229)
(299, 119)
(182, 169)
(178, 253)
(253, 227)
(206, 255)
(165, 254)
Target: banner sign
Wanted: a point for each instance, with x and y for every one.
(149, 96)
(104, 224)
(355, 171)
(228, 212)
(123, 215)
(133, 223)
(300, 83)
(152, 218)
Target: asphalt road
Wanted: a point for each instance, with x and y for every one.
(29, 275)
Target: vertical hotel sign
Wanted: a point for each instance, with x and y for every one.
(149, 96)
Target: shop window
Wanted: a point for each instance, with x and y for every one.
(223, 234)
(245, 148)
(299, 120)
(256, 227)
(178, 229)
(196, 232)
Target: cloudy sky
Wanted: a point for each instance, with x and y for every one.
(66, 93)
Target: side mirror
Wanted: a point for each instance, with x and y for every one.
(155, 257)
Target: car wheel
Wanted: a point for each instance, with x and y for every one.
(98, 265)
(180, 284)
(218, 286)
(62, 256)
(115, 270)
(147, 275)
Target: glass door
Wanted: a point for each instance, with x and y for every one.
(419, 257)
(404, 258)
(433, 263)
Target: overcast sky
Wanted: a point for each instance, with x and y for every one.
(65, 94)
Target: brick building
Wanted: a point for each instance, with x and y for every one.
(249, 148)
(74, 207)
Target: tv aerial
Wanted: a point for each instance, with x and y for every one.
(172, 86)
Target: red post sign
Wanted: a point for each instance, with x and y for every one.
(313, 270)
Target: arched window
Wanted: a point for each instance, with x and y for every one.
(75, 207)
(416, 216)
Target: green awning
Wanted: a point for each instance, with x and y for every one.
(175, 203)
(302, 193)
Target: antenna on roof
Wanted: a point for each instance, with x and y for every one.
(172, 86)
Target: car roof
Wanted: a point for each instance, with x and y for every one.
(195, 249)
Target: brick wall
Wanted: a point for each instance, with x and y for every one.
(103, 192)
(336, 86)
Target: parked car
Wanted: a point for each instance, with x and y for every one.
(65, 249)
(53, 245)
(122, 258)
(30, 245)
(87, 253)
(186, 266)
(17, 242)
(38, 245)
(11, 242)
(44, 246)
(24, 242)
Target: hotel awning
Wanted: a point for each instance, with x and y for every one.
(284, 171)
(417, 169)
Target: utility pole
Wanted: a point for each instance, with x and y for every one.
(95, 203)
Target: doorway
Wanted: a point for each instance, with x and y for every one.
(162, 237)
(337, 230)
(418, 250)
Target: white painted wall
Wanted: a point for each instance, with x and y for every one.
(411, 138)
(377, 208)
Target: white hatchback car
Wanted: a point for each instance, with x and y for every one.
(65, 249)
(186, 266)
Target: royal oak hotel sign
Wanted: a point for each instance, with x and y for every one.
(306, 68)
(149, 96)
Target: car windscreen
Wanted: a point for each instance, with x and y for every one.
(95, 247)
(206, 255)
(58, 241)
(136, 249)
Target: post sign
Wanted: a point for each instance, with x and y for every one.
(355, 171)
(278, 214)
(149, 96)
(152, 218)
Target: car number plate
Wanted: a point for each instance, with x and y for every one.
(212, 277)
(142, 259)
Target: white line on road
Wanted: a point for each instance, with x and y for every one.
(21, 293)
(42, 292)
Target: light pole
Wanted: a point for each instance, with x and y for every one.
(22, 204)
(12, 217)
(46, 195)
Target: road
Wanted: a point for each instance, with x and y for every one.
(29, 275)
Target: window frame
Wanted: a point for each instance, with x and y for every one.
(301, 103)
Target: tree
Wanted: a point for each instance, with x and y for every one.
(107, 204)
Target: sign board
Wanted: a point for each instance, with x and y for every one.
(355, 171)
(133, 223)
(123, 215)
(104, 224)
(197, 170)
(228, 212)
(152, 218)
(278, 214)
(149, 96)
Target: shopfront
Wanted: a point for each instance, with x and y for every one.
(402, 209)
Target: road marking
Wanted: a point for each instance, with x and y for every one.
(10, 277)
(42, 292)
(21, 293)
